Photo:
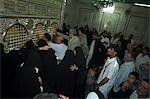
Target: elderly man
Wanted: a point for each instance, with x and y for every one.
(142, 91)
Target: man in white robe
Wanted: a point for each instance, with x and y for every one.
(109, 72)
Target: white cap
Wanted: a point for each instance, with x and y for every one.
(92, 95)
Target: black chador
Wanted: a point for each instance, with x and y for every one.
(12, 65)
(80, 62)
(65, 77)
(14, 60)
(4, 73)
(48, 69)
(99, 54)
(25, 84)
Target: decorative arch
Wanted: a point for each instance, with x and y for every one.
(39, 29)
(15, 36)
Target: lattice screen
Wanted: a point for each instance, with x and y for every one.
(39, 29)
(16, 36)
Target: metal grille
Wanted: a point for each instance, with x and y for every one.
(39, 29)
(16, 36)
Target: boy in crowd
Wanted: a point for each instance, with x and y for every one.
(127, 87)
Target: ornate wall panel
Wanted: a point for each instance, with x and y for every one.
(137, 26)
(109, 22)
(16, 36)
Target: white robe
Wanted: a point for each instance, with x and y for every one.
(90, 54)
(110, 71)
(123, 73)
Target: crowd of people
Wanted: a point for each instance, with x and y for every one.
(76, 63)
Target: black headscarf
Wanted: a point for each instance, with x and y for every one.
(65, 77)
(81, 73)
(79, 58)
(29, 47)
(42, 43)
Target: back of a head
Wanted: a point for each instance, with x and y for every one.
(42, 43)
(58, 39)
(47, 36)
(46, 96)
(30, 45)
(92, 95)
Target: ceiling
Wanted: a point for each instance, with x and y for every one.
(133, 1)
(123, 1)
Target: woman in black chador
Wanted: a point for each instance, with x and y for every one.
(66, 74)
(25, 83)
(99, 54)
(80, 62)
(48, 68)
